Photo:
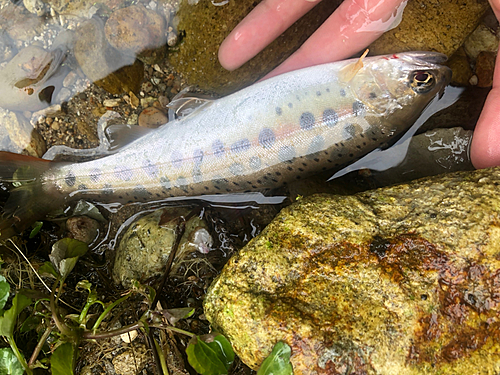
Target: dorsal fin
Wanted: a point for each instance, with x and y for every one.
(349, 71)
(185, 103)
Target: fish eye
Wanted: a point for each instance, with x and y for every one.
(422, 81)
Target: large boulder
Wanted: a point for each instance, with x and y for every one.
(399, 280)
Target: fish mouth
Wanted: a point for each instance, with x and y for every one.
(428, 56)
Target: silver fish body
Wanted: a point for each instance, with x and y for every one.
(268, 134)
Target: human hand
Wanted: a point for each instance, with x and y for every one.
(485, 147)
(343, 34)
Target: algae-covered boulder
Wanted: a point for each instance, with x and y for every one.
(399, 280)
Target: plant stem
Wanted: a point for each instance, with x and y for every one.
(19, 355)
(39, 346)
(115, 332)
(107, 311)
(63, 328)
(173, 329)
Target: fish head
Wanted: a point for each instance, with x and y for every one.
(392, 83)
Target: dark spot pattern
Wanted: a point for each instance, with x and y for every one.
(267, 138)
(165, 183)
(307, 121)
(176, 159)
(255, 163)
(70, 178)
(290, 105)
(318, 93)
(330, 117)
(139, 190)
(95, 175)
(286, 153)
(197, 157)
(236, 169)
(218, 182)
(372, 95)
(123, 173)
(342, 92)
(150, 168)
(358, 108)
(240, 146)
(279, 111)
(82, 187)
(218, 148)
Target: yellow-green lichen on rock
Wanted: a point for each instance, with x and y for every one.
(399, 280)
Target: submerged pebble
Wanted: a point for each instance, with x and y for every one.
(144, 248)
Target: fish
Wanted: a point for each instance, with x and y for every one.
(266, 135)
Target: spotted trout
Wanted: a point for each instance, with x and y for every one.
(266, 135)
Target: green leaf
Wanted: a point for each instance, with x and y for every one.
(84, 208)
(47, 269)
(8, 320)
(9, 365)
(4, 291)
(65, 254)
(36, 228)
(174, 315)
(278, 362)
(30, 323)
(210, 358)
(61, 362)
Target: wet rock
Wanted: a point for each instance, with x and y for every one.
(460, 66)
(136, 30)
(482, 39)
(131, 360)
(82, 228)
(21, 25)
(7, 48)
(432, 25)
(17, 135)
(399, 280)
(152, 117)
(30, 81)
(37, 7)
(101, 63)
(144, 249)
(205, 26)
(78, 8)
(485, 67)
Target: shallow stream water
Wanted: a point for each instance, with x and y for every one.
(65, 64)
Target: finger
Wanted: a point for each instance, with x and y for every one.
(260, 27)
(495, 5)
(353, 26)
(485, 147)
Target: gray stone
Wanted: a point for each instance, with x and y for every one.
(144, 248)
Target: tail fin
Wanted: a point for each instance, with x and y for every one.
(28, 200)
